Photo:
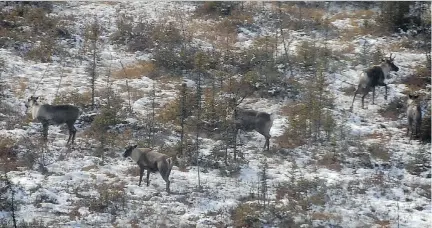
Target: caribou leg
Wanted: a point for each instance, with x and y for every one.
(148, 177)
(72, 132)
(363, 97)
(352, 104)
(373, 95)
(355, 94)
(385, 96)
(141, 175)
(386, 88)
(70, 136)
(167, 182)
(267, 143)
(45, 130)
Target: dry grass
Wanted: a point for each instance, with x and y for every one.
(377, 180)
(202, 30)
(348, 91)
(20, 88)
(361, 22)
(168, 82)
(379, 151)
(135, 93)
(132, 171)
(111, 3)
(306, 13)
(347, 48)
(418, 80)
(359, 14)
(245, 215)
(406, 43)
(393, 110)
(326, 216)
(218, 33)
(8, 158)
(383, 223)
(290, 138)
(351, 33)
(90, 167)
(379, 136)
(136, 71)
(329, 161)
(74, 98)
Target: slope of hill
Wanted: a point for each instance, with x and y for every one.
(358, 170)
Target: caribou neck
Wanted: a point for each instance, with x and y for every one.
(35, 109)
(412, 102)
(135, 155)
(386, 69)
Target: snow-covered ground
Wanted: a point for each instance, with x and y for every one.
(64, 195)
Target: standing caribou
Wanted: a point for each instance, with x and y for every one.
(374, 76)
(414, 115)
(249, 120)
(54, 115)
(151, 161)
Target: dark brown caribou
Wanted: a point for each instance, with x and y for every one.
(373, 77)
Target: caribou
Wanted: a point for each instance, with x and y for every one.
(249, 120)
(374, 76)
(152, 161)
(414, 116)
(54, 115)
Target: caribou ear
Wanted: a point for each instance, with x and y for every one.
(36, 98)
(410, 96)
(135, 146)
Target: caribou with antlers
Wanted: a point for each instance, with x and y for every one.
(250, 120)
(374, 76)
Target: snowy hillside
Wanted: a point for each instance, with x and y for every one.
(355, 168)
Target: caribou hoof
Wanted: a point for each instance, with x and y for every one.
(385, 98)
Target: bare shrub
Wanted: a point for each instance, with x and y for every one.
(34, 31)
(418, 80)
(232, 169)
(33, 224)
(303, 193)
(379, 151)
(425, 128)
(137, 71)
(111, 199)
(330, 161)
(257, 57)
(171, 111)
(293, 136)
(137, 36)
(103, 128)
(246, 215)
(310, 53)
(8, 154)
(311, 119)
(393, 110)
(215, 9)
(420, 163)
(44, 198)
(73, 97)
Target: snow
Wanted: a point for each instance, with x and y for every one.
(76, 172)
